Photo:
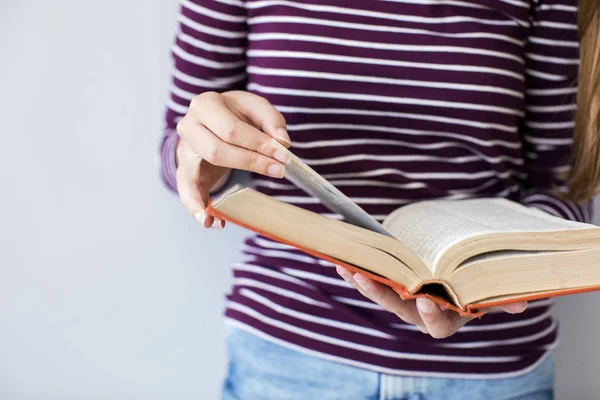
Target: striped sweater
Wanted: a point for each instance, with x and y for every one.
(393, 101)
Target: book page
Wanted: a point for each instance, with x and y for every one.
(314, 233)
(430, 228)
(429, 231)
(526, 273)
(307, 179)
(503, 215)
(500, 254)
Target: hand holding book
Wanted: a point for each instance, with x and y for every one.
(431, 318)
(221, 132)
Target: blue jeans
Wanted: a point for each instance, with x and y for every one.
(262, 370)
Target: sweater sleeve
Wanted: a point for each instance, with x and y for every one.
(208, 55)
(552, 64)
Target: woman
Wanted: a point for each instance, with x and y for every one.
(393, 102)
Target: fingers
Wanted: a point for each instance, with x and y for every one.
(262, 114)
(513, 308)
(227, 117)
(388, 299)
(213, 149)
(349, 278)
(439, 323)
(384, 296)
(223, 130)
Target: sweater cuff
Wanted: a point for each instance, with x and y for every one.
(168, 168)
(168, 161)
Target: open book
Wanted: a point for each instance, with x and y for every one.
(464, 254)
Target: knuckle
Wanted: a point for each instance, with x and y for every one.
(264, 147)
(208, 97)
(261, 101)
(272, 114)
(234, 93)
(181, 126)
(252, 162)
(199, 102)
(230, 132)
(211, 152)
(195, 104)
(278, 116)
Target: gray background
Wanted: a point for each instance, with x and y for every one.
(108, 290)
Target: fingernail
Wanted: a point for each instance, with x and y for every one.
(283, 136)
(425, 305)
(275, 170)
(516, 308)
(200, 217)
(363, 281)
(342, 271)
(281, 155)
(217, 224)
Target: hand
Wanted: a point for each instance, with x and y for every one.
(425, 314)
(221, 132)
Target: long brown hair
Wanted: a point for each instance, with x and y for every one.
(584, 179)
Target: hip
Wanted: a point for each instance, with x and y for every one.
(262, 369)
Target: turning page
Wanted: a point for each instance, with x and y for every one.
(307, 179)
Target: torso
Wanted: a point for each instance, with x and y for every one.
(393, 102)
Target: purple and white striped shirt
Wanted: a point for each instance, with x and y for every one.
(393, 101)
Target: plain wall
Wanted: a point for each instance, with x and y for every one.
(108, 289)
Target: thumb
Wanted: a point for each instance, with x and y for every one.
(188, 185)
